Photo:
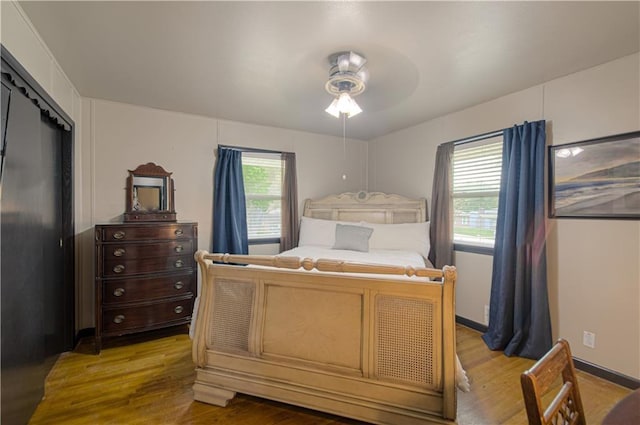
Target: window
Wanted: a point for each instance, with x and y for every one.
(262, 175)
(477, 167)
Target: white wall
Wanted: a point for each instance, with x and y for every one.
(593, 265)
(22, 40)
(119, 137)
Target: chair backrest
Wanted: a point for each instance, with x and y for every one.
(566, 406)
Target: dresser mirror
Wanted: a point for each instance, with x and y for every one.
(149, 194)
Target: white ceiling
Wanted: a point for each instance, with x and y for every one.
(266, 62)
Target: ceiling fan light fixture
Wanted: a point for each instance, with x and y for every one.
(347, 78)
(344, 104)
(343, 63)
(333, 108)
(363, 74)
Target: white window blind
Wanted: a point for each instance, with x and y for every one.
(262, 175)
(476, 184)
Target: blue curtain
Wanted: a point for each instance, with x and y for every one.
(229, 205)
(519, 320)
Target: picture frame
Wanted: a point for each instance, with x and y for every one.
(596, 178)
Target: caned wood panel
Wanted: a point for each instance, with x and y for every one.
(233, 302)
(405, 341)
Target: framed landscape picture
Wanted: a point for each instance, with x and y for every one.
(597, 178)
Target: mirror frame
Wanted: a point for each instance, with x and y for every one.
(157, 172)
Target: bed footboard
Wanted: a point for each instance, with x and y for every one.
(375, 348)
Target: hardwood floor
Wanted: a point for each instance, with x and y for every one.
(150, 383)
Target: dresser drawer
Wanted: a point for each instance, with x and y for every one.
(140, 250)
(128, 267)
(147, 316)
(147, 288)
(146, 232)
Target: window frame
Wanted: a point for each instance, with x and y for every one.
(465, 246)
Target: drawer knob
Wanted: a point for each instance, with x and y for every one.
(118, 292)
(179, 248)
(119, 318)
(179, 309)
(179, 263)
(118, 235)
(178, 285)
(179, 232)
(118, 269)
(118, 252)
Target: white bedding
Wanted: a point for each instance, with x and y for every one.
(374, 256)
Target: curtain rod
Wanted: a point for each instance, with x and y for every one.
(478, 137)
(258, 150)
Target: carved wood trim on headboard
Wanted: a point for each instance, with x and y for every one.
(373, 207)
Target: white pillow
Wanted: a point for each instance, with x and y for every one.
(405, 237)
(314, 231)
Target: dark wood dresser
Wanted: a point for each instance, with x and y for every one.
(146, 277)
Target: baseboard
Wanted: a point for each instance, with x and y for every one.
(607, 374)
(595, 370)
(471, 324)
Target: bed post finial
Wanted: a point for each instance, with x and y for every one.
(199, 255)
(450, 273)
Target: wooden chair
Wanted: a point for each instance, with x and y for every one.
(566, 406)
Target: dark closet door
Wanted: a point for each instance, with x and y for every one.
(21, 262)
(33, 303)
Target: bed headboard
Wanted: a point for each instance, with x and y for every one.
(373, 207)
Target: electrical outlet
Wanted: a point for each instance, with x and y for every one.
(589, 339)
(486, 315)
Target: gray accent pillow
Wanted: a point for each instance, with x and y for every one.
(354, 238)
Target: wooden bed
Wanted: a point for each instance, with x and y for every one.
(354, 340)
